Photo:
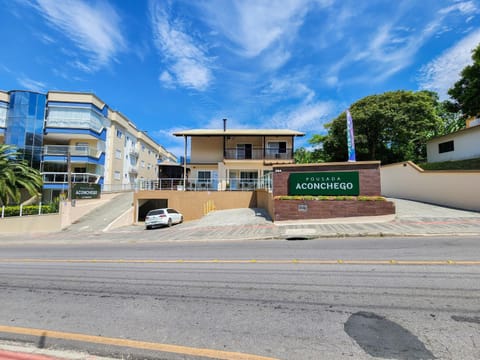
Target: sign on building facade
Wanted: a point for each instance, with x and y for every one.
(324, 183)
(86, 191)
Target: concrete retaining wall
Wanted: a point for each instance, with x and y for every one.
(31, 224)
(457, 189)
(195, 204)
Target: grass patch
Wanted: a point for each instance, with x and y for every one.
(470, 164)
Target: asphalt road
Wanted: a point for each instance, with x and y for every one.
(267, 299)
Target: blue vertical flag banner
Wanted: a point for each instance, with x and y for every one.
(350, 137)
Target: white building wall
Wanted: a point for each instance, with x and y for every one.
(457, 189)
(466, 146)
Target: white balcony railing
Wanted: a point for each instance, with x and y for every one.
(231, 184)
(62, 177)
(64, 150)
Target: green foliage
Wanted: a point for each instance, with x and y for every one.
(15, 174)
(30, 210)
(330, 198)
(466, 91)
(390, 127)
(471, 164)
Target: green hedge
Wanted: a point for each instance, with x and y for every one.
(29, 210)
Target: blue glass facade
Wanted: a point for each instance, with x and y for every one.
(24, 124)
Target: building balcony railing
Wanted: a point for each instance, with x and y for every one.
(62, 177)
(64, 150)
(258, 154)
(134, 153)
(231, 184)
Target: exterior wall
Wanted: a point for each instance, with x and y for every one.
(457, 189)
(4, 100)
(147, 160)
(31, 224)
(75, 97)
(194, 204)
(206, 149)
(369, 185)
(116, 154)
(369, 175)
(289, 209)
(265, 201)
(465, 145)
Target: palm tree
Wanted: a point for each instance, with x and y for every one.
(15, 174)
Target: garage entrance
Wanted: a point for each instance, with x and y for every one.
(145, 206)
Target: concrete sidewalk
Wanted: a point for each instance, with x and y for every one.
(412, 219)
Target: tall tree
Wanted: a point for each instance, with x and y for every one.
(390, 127)
(15, 174)
(466, 91)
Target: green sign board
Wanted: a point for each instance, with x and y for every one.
(324, 183)
(86, 191)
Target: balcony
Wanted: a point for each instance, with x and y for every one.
(64, 150)
(258, 154)
(231, 184)
(62, 177)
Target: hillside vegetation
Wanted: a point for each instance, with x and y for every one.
(471, 164)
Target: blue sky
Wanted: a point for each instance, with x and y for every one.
(187, 64)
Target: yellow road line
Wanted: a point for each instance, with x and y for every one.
(184, 350)
(249, 261)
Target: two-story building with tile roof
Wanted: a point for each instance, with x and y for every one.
(234, 159)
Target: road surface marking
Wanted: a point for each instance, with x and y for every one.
(177, 349)
(249, 261)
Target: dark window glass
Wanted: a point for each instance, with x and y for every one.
(446, 147)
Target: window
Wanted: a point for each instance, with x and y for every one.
(81, 146)
(244, 151)
(119, 134)
(118, 154)
(143, 164)
(149, 166)
(204, 175)
(446, 147)
(277, 147)
(116, 175)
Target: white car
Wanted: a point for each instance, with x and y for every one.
(165, 217)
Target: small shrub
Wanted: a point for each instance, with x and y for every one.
(330, 198)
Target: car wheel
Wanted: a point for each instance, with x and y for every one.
(169, 222)
(181, 219)
(148, 227)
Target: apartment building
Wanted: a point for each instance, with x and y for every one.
(232, 159)
(74, 133)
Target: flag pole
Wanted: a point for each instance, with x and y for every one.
(350, 138)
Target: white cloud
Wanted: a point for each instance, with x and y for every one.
(32, 85)
(259, 28)
(167, 79)
(289, 87)
(393, 46)
(92, 28)
(305, 117)
(441, 73)
(187, 62)
(255, 25)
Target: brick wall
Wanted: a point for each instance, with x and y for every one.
(368, 173)
(369, 182)
(289, 209)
